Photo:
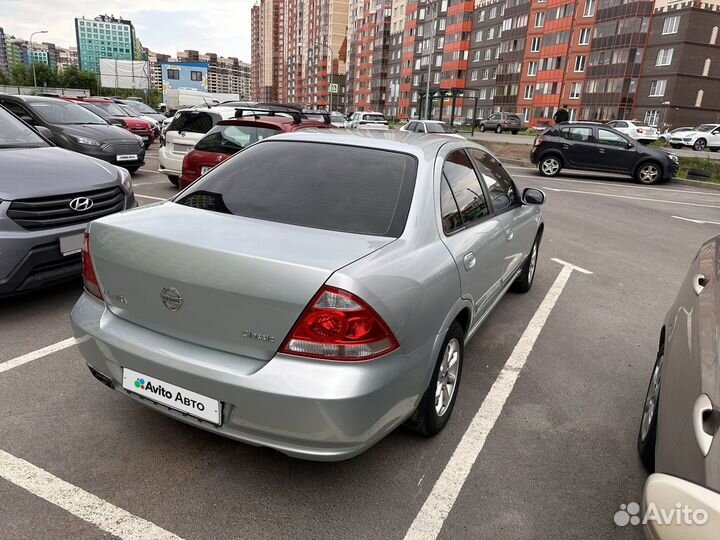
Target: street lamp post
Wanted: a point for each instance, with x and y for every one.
(32, 55)
(329, 75)
(431, 47)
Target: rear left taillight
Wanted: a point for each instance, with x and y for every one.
(640, 130)
(337, 325)
(539, 141)
(88, 272)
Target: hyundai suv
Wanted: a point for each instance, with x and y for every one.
(47, 197)
(595, 147)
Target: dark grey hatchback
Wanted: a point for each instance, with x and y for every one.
(595, 147)
(75, 128)
(47, 197)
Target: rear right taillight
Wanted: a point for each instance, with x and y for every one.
(88, 272)
(337, 325)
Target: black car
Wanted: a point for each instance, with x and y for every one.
(75, 128)
(594, 147)
(142, 109)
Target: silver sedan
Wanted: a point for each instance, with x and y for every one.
(313, 292)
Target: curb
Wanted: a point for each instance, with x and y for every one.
(696, 183)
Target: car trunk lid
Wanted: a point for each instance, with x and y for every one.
(227, 282)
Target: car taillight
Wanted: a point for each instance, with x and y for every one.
(640, 130)
(88, 272)
(337, 325)
(539, 141)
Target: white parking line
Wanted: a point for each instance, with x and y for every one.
(619, 184)
(595, 193)
(699, 221)
(430, 519)
(79, 502)
(149, 197)
(151, 172)
(29, 357)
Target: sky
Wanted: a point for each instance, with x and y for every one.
(165, 26)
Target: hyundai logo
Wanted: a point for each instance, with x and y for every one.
(171, 298)
(81, 204)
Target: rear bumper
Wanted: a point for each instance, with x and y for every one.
(304, 408)
(186, 180)
(170, 164)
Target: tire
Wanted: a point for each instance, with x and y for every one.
(550, 165)
(498, 129)
(676, 146)
(647, 434)
(482, 128)
(699, 145)
(524, 282)
(429, 419)
(648, 173)
(132, 170)
(514, 131)
(174, 180)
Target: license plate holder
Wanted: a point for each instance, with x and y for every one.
(69, 245)
(126, 157)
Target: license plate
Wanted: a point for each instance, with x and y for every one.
(126, 157)
(205, 170)
(70, 245)
(170, 395)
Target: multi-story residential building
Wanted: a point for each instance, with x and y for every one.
(225, 75)
(680, 81)
(16, 50)
(514, 44)
(4, 66)
(394, 59)
(44, 53)
(67, 57)
(105, 37)
(267, 24)
(484, 55)
(155, 59)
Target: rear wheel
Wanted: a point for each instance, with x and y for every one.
(174, 180)
(482, 127)
(549, 166)
(523, 283)
(699, 145)
(439, 399)
(647, 435)
(514, 131)
(498, 129)
(648, 173)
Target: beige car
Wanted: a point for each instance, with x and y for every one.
(678, 439)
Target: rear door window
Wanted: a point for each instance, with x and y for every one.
(466, 191)
(498, 182)
(193, 122)
(578, 134)
(299, 183)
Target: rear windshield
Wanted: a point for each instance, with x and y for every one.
(438, 128)
(109, 107)
(374, 117)
(299, 183)
(230, 139)
(193, 122)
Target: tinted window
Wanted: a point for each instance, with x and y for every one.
(451, 220)
(92, 108)
(439, 128)
(57, 111)
(15, 134)
(109, 107)
(17, 110)
(579, 134)
(458, 172)
(605, 136)
(374, 117)
(298, 183)
(141, 107)
(193, 122)
(230, 139)
(497, 180)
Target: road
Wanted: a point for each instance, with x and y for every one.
(528, 140)
(558, 461)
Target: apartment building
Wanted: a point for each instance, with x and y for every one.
(394, 58)
(44, 53)
(155, 59)
(67, 57)
(4, 66)
(680, 81)
(267, 35)
(16, 50)
(105, 36)
(513, 46)
(226, 75)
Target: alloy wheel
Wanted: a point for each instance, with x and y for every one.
(533, 262)
(650, 408)
(447, 377)
(648, 174)
(550, 166)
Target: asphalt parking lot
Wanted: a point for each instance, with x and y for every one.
(541, 443)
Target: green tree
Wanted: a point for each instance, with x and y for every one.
(72, 77)
(4, 78)
(19, 75)
(44, 74)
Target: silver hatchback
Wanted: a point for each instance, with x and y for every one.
(282, 304)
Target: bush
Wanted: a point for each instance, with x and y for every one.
(710, 165)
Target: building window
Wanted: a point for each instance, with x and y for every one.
(478, 36)
(474, 75)
(173, 74)
(488, 54)
(671, 24)
(491, 33)
(699, 98)
(476, 56)
(589, 8)
(579, 64)
(532, 69)
(657, 88)
(584, 36)
(535, 44)
(575, 90)
(539, 19)
(706, 67)
(528, 92)
(713, 35)
(652, 117)
(440, 42)
(441, 24)
(436, 78)
(438, 60)
(486, 74)
(196, 76)
(664, 57)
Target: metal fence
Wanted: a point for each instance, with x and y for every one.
(31, 90)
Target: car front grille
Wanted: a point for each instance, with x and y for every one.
(121, 148)
(55, 211)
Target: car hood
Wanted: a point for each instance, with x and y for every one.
(39, 172)
(155, 116)
(100, 132)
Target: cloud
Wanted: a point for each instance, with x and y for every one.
(166, 26)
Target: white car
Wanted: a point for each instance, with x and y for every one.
(187, 128)
(367, 120)
(639, 131)
(430, 126)
(665, 137)
(699, 138)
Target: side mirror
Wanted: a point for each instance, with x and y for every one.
(115, 122)
(533, 196)
(629, 146)
(45, 132)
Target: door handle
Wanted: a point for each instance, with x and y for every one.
(601, 150)
(566, 147)
(510, 234)
(469, 261)
(699, 282)
(705, 423)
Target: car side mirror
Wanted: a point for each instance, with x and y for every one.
(533, 196)
(115, 121)
(629, 146)
(45, 132)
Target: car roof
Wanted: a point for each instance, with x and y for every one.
(430, 121)
(33, 98)
(267, 120)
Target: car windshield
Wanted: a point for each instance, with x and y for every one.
(109, 107)
(140, 107)
(294, 183)
(92, 108)
(438, 128)
(57, 111)
(230, 139)
(15, 134)
(127, 111)
(706, 127)
(374, 117)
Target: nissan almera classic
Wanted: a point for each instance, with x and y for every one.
(282, 304)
